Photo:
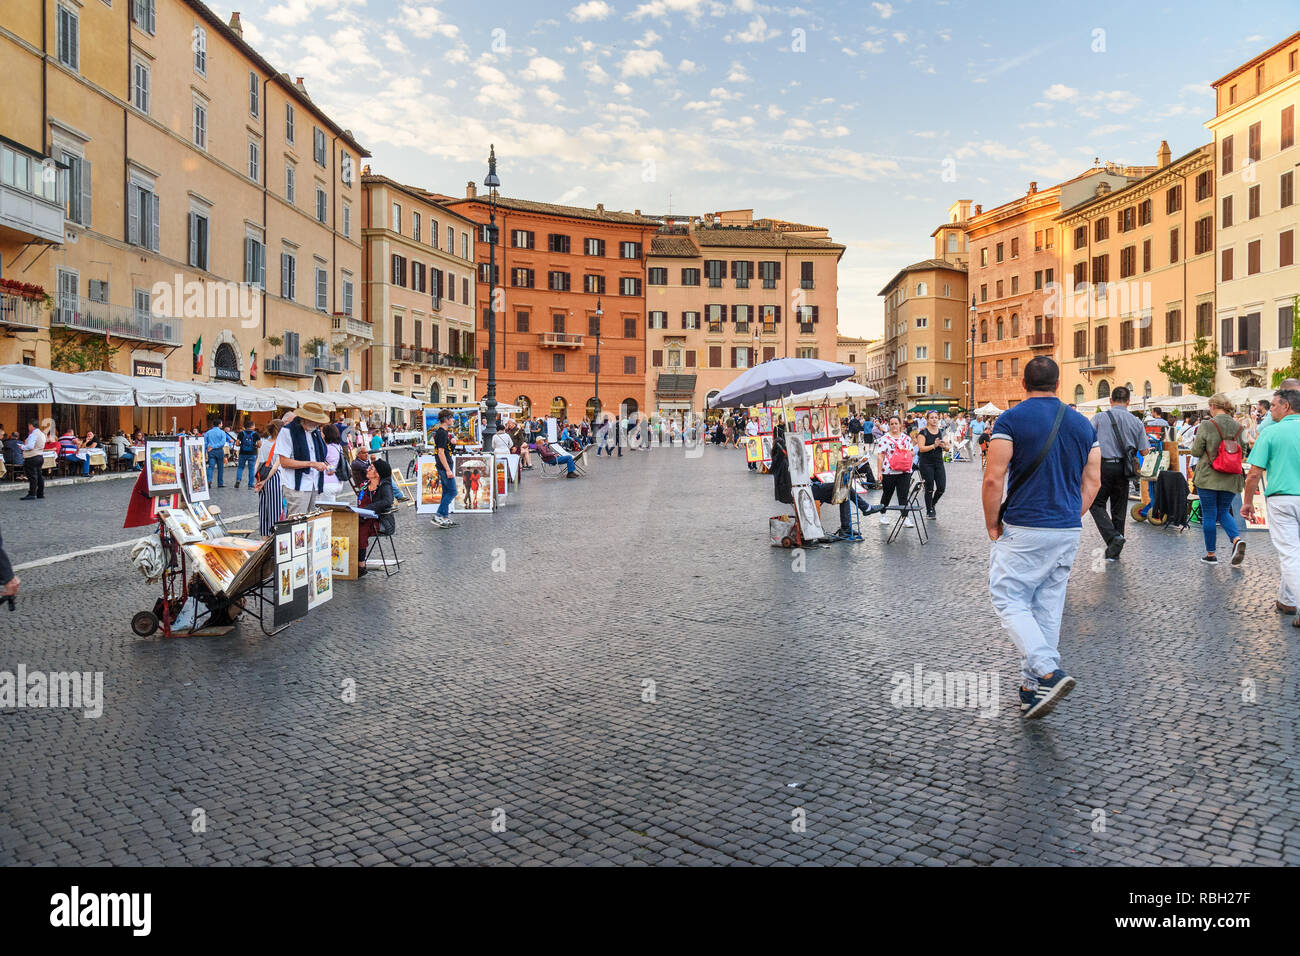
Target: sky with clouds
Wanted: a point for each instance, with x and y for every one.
(867, 118)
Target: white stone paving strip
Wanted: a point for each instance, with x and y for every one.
(55, 559)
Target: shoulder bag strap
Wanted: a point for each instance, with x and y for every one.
(1119, 441)
(1028, 473)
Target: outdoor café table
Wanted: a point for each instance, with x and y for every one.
(139, 451)
(98, 457)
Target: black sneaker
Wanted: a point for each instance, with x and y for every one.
(1209, 559)
(1115, 547)
(1238, 551)
(1050, 691)
(929, 514)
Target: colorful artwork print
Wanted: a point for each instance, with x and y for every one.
(803, 423)
(429, 484)
(196, 477)
(764, 416)
(503, 478)
(473, 484)
(753, 449)
(300, 571)
(283, 546)
(284, 581)
(826, 455)
(339, 555)
(299, 533)
(320, 536)
(202, 515)
(819, 423)
(322, 586)
(163, 467)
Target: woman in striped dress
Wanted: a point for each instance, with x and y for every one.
(270, 507)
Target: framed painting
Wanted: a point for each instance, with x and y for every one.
(163, 467)
(196, 476)
(803, 423)
(428, 485)
(474, 483)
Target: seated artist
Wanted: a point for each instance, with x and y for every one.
(822, 491)
(377, 496)
(544, 448)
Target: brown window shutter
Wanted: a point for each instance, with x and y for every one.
(815, 312)
(715, 356)
(733, 309)
(733, 268)
(769, 353)
(657, 357)
(778, 274)
(778, 313)
(733, 356)
(690, 358)
(1286, 248)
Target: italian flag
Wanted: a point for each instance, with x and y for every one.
(198, 356)
(252, 368)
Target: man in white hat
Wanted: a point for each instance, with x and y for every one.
(302, 458)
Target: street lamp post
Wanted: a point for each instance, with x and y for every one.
(492, 182)
(596, 412)
(973, 313)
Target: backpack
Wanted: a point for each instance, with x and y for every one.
(1228, 458)
(248, 442)
(900, 459)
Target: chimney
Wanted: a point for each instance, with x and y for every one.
(979, 208)
(1103, 188)
(471, 190)
(236, 26)
(600, 209)
(1162, 155)
(1033, 188)
(636, 212)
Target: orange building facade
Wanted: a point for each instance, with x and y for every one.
(556, 266)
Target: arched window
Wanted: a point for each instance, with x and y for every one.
(1131, 389)
(1078, 394)
(435, 393)
(984, 330)
(1146, 389)
(1000, 328)
(1103, 389)
(628, 406)
(559, 407)
(921, 288)
(709, 398)
(225, 363)
(593, 409)
(318, 384)
(1015, 326)
(526, 403)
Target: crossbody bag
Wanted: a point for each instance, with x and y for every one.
(1127, 452)
(1029, 472)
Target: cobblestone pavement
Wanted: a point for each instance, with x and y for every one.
(516, 697)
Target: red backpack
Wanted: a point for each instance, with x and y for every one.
(1228, 458)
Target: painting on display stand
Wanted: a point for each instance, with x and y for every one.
(803, 423)
(428, 485)
(473, 474)
(764, 416)
(805, 507)
(753, 449)
(819, 422)
(196, 476)
(163, 467)
(799, 458)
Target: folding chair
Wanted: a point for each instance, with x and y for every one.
(391, 567)
(913, 509)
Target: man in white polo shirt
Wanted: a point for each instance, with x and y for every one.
(34, 462)
(302, 458)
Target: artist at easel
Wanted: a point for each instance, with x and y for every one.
(822, 491)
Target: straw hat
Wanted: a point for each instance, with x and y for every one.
(312, 412)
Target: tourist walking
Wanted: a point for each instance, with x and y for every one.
(248, 440)
(266, 482)
(931, 445)
(895, 452)
(1054, 463)
(215, 440)
(442, 454)
(1120, 436)
(1275, 464)
(1218, 477)
(34, 463)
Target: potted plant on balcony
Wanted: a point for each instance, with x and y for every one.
(274, 341)
(27, 290)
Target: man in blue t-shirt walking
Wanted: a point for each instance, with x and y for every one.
(1051, 454)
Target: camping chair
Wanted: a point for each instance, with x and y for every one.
(913, 509)
(551, 465)
(377, 540)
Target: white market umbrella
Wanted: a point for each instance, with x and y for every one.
(245, 399)
(778, 379)
(988, 409)
(1178, 401)
(70, 389)
(1248, 395)
(835, 394)
(392, 400)
(1094, 405)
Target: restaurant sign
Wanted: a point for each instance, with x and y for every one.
(147, 369)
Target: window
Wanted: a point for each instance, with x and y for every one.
(253, 91)
(143, 15)
(1127, 261)
(1204, 235)
(318, 145)
(1146, 332)
(519, 238)
(922, 321)
(805, 275)
(922, 385)
(464, 247)
(656, 276)
(1225, 265)
(79, 188)
(254, 162)
(415, 226)
(200, 126)
(557, 322)
(1226, 216)
(557, 243)
(629, 328)
(1015, 285)
(418, 278)
(984, 330)
(1204, 186)
(345, 172)
(690, 320)
(984, 369)
(198, 240)
(742, 272)
(199, 41)
(1080, 237)
(1080, 273)
(1286, 248)
(451, 241)
(691, 277)
(1225, 156)
(521, 361)
(1126, 219)
(999, 252)
(1252, 257)
(347, 301)
(557, 362)
(593, 325)
(398, 274)
(922, 351)
(1015, 248)
(656, 320)
(1252, 142)
(715, 269)
(254, 261)
(1173, 245)
(740, 318)
(1100, 230)
(1287, 138)
(347, 219)
(629, 250)
(1204, 319)
(521, 278)
(1173, 325)
(140, 77)
(142, 226)
(593, 284)
(1144, 213)
(557, 281)
(1173, 199)
(984, 256)
(521, 321)
(769, 272)
(397, 218)
(629, 286)
(1285, 327)
(921, 288)
(1080, 343)
(322, 295)
(1100, 269)
(1286, 189)
(1252, 202)
(1000, 327)
(999, 289)
(713, 316)
(288, 123)
(592, 247)
(984, 292)
(322, 205)
(288, 276)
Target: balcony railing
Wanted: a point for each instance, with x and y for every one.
(563, 340)
(1041, 340)
(353, 328)
(102, 318)
(287, 365)
(323, 363)
(32, 191)
(19, 312)
(427, 357)
(1245, 359)
(1098, 361)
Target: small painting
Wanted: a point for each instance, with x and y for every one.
(300, 571)
(284, 579)
(473, 484)
(202, 515)
(819, 423)
(764, 416)
(339, 555)
(753, 448)
(429, 495)
(283, 546)
(803, 423)
(196, 478)
(322, 586)
(299, 533)
(163, 467)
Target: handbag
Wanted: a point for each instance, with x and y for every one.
(1228, 458)
(1152, 464)
(1132, 466)
(1028, 472)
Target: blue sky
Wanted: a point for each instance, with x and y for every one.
(867, 118)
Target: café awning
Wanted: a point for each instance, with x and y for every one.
(149, 392)
(67, 388)
(392, 400)
(16, 385)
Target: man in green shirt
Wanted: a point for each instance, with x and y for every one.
(1267, 418)
(1276, 460)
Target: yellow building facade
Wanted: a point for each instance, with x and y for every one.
(208, 211)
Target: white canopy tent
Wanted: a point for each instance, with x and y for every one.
(245, 399)
(503, 408)
(392, 400)
(1185, 402)
(835, 394)
(1095, 405)
(1248, 395)
(988, 409)
(68, 388)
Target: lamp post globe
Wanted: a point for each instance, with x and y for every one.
(492, 182)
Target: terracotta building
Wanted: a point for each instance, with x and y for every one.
(418, 294)
(190, 211)
(1138, 283)
(556, 266)
(726, 292)
(925, 337)
(1254, 129)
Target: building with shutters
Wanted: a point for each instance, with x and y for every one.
(850, 350)
(1254, 129)
(191, 212)
(725, 292)
(557, 266)
(1138, 276)
(926, 324)
(419, 293)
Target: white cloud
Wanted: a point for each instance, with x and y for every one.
(737, 74)
(834, 132)
(886, 10)
(542, 69)
(595, 72)
(423, 20)
(547, 96)
(622, 89)
(393, 43)
(775, 112)
(293, 12)
(756, 32)
(591, 10)
(660, 9)
(702, 105)
(688, 67)
(722, 93)
(570, 195)
(648, 39)
(873, 46)
(1060, 92)
(642, 63)
(722, 124)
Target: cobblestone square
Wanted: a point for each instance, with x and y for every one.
(648, 682)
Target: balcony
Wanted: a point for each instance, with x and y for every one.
(1098, 362)
(1247, 360)
(350, 332)
(31, 196)
(559, 340)
(1041, 340)
(404, 355)
(101, 318)
(19, 313)
(289, 365)
(323, 363)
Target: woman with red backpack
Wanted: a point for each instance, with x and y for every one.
(895, 454)
(1218, 476)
